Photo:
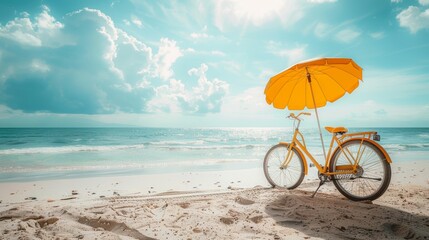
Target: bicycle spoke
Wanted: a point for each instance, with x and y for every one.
(290, 175)
(369, 179)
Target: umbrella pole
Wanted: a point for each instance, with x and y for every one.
(317, 115)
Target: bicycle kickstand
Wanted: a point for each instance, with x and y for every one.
(320, 184)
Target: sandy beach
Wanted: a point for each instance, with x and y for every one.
(212, 205)
(139, 119)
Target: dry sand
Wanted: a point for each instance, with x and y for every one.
(200, 209)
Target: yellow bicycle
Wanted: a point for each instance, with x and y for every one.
(358, 166)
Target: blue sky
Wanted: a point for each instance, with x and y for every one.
(205, 63)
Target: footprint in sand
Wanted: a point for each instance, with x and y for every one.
(400, 230)
(257, 219)
(243, 201)
(113, 226)
(227, 221)
(45, 222)
(184, 204)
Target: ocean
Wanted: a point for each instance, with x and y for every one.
(29, 154)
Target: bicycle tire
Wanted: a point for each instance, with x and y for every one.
(290, 177)
(372, 166)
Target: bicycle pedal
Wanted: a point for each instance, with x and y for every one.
(312, 165)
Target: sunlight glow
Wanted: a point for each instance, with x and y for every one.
(257, 11)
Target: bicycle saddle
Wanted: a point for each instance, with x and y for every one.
(340, 130)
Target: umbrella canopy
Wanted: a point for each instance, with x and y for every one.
(312, 83)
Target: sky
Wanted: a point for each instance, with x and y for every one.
(201, 63)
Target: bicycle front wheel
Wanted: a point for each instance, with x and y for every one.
(288, 177)
(373, 174)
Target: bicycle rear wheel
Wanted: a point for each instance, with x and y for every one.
(289, 177)
(373, 174)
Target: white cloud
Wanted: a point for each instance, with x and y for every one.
(167, 97)
(40, 66)
(255, 12)
(109, 31)
(190, 50)
(110, 54)
(167, 54)
(46, 21)
(414, 19)
(218, 53)
(293, 55)
(395, 1)
(199, 35)
(136, 21)
(424, 2)
(20, 30)
(207, 96)
(321, 30)
(377, 35)
(347, 35)
(25, 14)
(117, 73)
(45, 31)
(35, 82)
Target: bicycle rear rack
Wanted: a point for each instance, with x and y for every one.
(366, 135)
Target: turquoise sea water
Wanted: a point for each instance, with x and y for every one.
(28, 154)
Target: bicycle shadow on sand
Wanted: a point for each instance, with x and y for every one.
(333, 217)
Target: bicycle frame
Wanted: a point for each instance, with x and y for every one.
(343, 169)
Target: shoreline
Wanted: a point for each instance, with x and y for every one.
(22, 176)
(94, 187)
(409, 173)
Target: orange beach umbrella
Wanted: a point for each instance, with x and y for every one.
(325, 79)
(312, 83)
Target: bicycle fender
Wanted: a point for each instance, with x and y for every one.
(386, 155)
(300, 153)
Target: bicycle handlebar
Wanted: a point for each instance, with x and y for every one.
(292, 115)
